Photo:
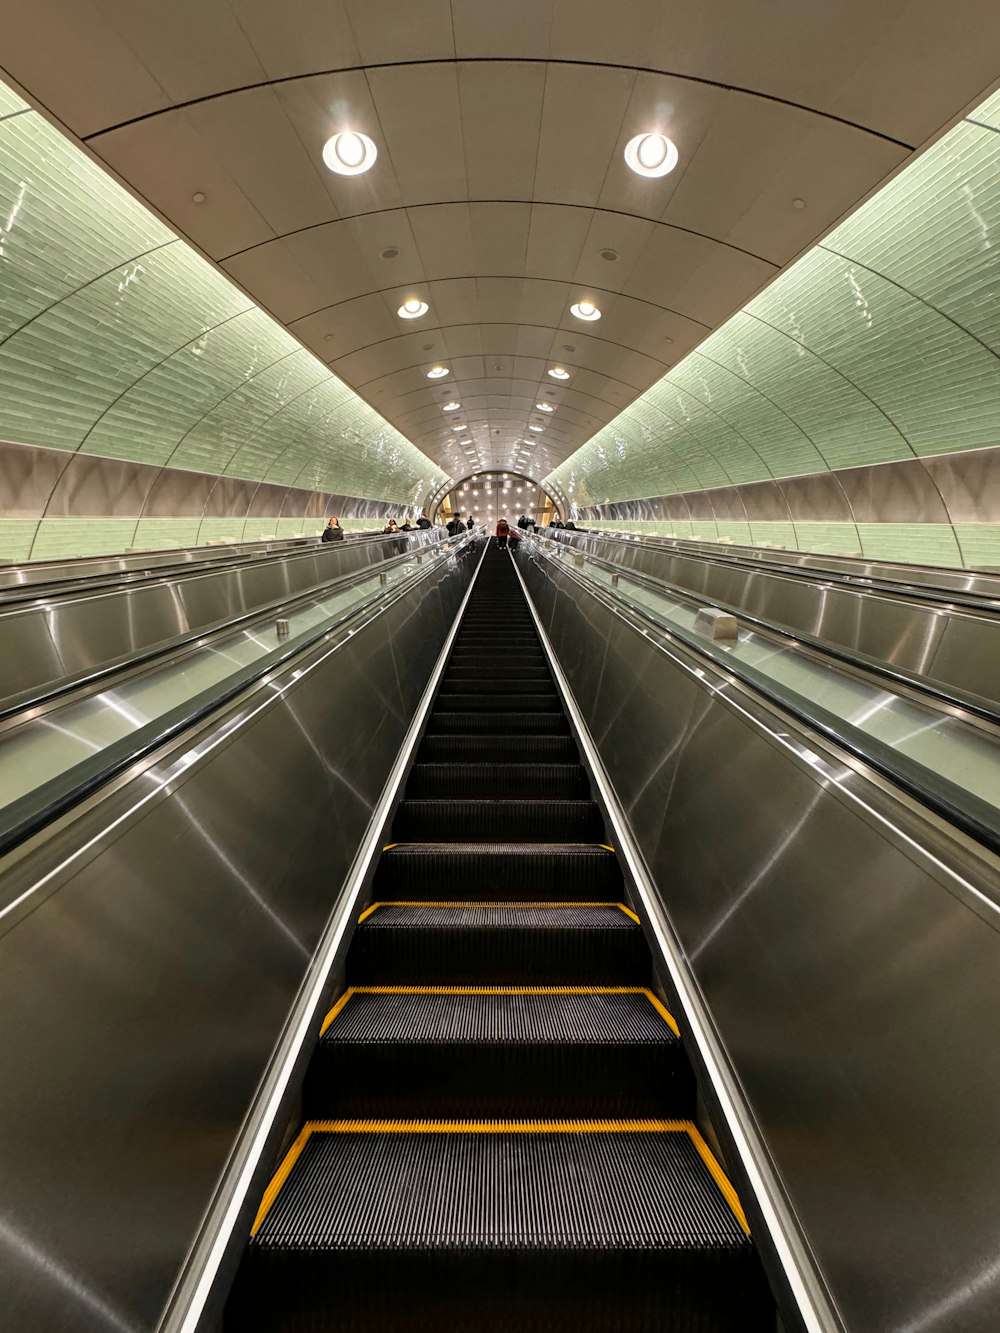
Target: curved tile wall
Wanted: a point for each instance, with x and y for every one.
(119, 342)
(811, 417)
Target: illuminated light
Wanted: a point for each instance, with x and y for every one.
(558, 373)
(544, 407)
(460, 426)
(585, 310)
(349, 153)
(451, 407)
(436, 372)
(651, 155)
(536, 427)
(413, 308)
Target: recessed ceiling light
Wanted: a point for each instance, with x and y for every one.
(536, 427)
(585, 310)
(413, 308)
(558, 373)
(612, 256)
(651, 154)
(544, 407)
(436, 372)
(390, 252)
(349, 153)
(451, 407)
(460, 426)
(198, 197)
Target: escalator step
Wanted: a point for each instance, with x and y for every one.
(455, 1052)
(494, 871)
(464, 943)
(542, 749)
(479, 781)
(509, 672)
(481, 683)
(415, 1227)
(427, 820)
(548, 724)
(483, 702)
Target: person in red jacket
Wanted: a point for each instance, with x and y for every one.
(503, 531)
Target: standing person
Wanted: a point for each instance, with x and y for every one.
(423, 523)
(522, 522)
(471, 523)
(503, 531)
(333, 532)
(390, 528)
(455, 527)
(406, 526)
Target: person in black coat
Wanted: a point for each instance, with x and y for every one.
(333, 532)
(423, 523)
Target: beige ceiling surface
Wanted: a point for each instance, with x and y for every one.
(500, 177)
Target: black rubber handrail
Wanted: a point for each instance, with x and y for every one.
(14, 597)
(973, 704)
(35, 809)
(84, 680)
(968, 813)
(981, 604)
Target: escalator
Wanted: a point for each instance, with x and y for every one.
(498, 1119)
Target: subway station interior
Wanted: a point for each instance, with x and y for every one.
(499, 666)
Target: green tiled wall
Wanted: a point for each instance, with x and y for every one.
(882, 343)
(117, 339)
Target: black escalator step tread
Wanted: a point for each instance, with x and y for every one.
(495, 870)
(480, 683)
(538, 749)
(474, 1052)
(467, 820)
(411, 1227)
(509, 672)
(439, 944)
(497, 779)
(498, 724)
(483, 701)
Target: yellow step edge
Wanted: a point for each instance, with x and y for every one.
(401, 903)
(500, 1127)
(342, 1000)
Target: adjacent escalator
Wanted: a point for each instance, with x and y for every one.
(498, 1117)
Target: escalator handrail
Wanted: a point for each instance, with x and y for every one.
(35, 809)
(977, 603)
(195, 1298)
(951, 698)
(968, 813)
(15, 704)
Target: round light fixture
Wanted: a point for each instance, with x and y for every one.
(413, 308)
(536, 427)
(544, 407)
(349, 153)
(585, 310)
(651, 154)
(558, 373)
(451, 407)
(436, 372)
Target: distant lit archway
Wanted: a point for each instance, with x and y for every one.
(495, 494)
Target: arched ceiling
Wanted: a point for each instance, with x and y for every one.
(500, 178)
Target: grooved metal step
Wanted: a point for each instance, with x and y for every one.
(498, 871)
(541, 749)
(411, 1227)
(456, 1052)
(498, 944)
(498, 723)
(425, 819)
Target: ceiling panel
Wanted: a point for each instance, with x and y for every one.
(500, 176)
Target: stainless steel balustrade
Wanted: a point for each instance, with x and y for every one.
(846, 944)
(941, 638)
(939, 578)
(77, 630)
(152, 942)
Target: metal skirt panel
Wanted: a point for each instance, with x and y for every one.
(851, 973)
(152, 946)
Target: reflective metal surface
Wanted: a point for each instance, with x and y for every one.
(958, 646)
(848, 948)
(47, 638)
(150, 949)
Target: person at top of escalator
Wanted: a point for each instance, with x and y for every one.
(333, 532)
(471, 523)
(503, 532)
(407, 526)
(390, 528)
(456, 527)
(423, 523)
